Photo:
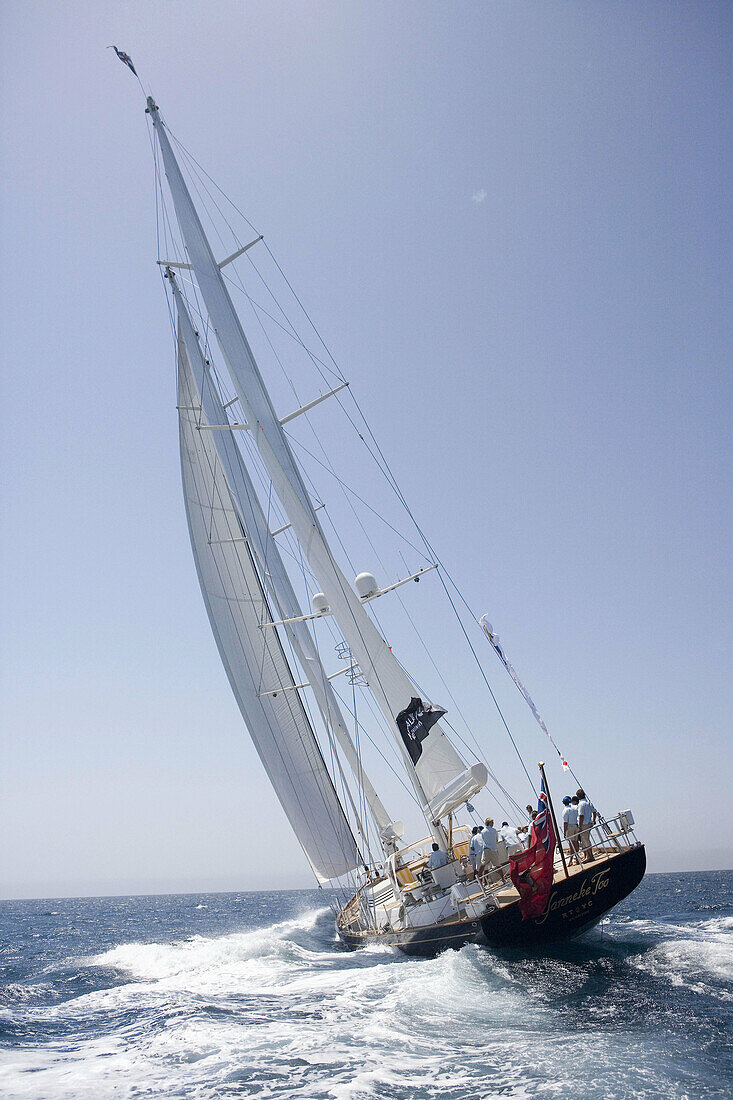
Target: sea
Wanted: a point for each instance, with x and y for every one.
(251, 994)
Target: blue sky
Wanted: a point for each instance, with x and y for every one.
(511, 224)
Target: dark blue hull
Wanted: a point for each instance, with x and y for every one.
(575, 904)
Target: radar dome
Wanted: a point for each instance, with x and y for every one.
(320, 603)
(366, 585)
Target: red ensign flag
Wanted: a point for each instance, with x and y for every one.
(531, 871)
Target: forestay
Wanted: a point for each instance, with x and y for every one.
(254, 658)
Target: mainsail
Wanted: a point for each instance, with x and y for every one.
(253, 657)
(441, 779)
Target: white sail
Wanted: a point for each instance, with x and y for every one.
(441, 778)
(265, 549)
(252, 656)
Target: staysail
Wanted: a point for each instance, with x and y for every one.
(253, 657)
(441, 778)
(267, 554)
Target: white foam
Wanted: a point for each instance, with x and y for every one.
(239, 962)
(696, 956)
(284, 1012)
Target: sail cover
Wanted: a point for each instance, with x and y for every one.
(253, 657)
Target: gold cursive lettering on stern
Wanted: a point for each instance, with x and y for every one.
(587, 889)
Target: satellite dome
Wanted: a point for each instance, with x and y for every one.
(320, 603)
(366, 585)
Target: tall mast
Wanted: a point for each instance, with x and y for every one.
(270, 563)
(441, 779)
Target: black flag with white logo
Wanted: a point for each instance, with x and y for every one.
(415, 723)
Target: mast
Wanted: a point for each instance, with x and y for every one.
(440, 777)
(270, 563)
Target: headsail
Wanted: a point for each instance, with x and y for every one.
(254, 658)
(441, 778)
(267, 554)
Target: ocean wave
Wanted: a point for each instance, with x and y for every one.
(18, 994)
(697, 956)
(239, 959)
(284, 1011)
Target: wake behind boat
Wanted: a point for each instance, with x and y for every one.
(292, 630)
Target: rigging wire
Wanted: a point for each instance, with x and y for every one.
(199, 311)
(378, 457)
(354, 493)
(408, 790)
(432, 558)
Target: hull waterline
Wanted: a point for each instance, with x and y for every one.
(575, 905)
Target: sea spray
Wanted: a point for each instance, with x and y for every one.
(255, 996)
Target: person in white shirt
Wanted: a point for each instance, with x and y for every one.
(475, 848)
(501, 849)
(570, 827)
(490, 855)
(437, 858)
(528, 837)
(586, 819)
(509, 835)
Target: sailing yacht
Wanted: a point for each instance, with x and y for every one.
(238, 462)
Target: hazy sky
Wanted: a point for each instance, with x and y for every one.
(511, 223)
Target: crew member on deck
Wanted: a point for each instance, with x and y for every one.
(475, 847)
(586, 820)
(508, 834)
(570, 827)
(437, 858)
(490, 855)
(528, 838)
